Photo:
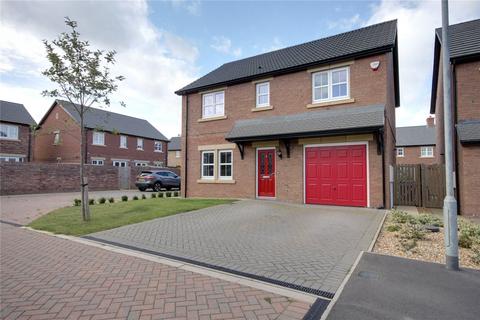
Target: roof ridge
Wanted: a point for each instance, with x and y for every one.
(414, 126)
(106, 111)
(459, 24)
(311, 41)
(12, 102)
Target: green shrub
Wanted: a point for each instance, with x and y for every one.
(160, 194)
(393, 228)
(429, 219)
(124, 198)
(143, 196)
(135, 198)
(464, 240)
(398, 216)
(111, 200)
(176, 193)
(153, 195)
(168, 194)
(91, 202)
(102, 200)
(77, 202)
(408, 244)
(469, 233)
(412, 231)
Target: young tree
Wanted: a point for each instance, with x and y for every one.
(83, 78)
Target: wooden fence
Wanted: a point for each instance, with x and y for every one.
(420, 185)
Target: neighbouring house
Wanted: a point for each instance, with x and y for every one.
(312, 123)
(416, 144)
(174, 158)
(16, 126)
(465, 71)
(111, 138)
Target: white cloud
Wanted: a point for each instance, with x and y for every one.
(224, 45)
(275, 45)
(191, 6)
(346, 23)
(154, 62)
(416, 24)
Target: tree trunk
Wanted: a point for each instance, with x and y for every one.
(83, 179)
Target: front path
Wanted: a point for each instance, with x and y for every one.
(45, 277)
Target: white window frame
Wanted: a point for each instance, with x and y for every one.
(400, 152)
(212, 177)
(139, 144)
(98, 162)
(158, 143)
(215, 105)
(125, 139)
(119, 163)
(330, 85)
(158, 164)
(426, 152)
(11, 159)
(258, 94)
(56, 137)
(96, 140)
(10, 130)
(177, 153)
(220, 164)
(141, 163)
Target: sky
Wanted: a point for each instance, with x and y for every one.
(164, 45)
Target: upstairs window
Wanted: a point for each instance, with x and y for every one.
(331, 85)
(208, 164)
(123, 142)
(213, 104)
(158, 146)
(263, 94)
(400, 152)
(8, 131)
(98, 138)
(426, 152)
(98, 162)
(139, 144)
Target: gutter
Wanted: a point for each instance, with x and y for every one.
(185, 152)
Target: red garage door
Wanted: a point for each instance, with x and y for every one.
(336, 175)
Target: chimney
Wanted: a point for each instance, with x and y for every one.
(430, 122)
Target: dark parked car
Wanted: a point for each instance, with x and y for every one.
(157, 180)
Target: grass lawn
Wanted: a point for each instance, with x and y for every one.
(112, 215)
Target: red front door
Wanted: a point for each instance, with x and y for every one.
(336, 175)
(266, 172)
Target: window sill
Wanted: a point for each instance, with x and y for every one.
(9, 139)
(212, 119)
(158, 151)
(427, 157)
(139, 149)
(212, 181)
(99, 145)
(400, 156)
(123, 147)
(258, 109)
(330, 103)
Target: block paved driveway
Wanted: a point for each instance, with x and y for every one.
(45, 277)
(304, 245)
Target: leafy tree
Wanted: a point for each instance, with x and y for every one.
(82, 76)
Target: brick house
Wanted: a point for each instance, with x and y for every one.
(416, 144)
(112, 138)
(465, 71)
(15, 132)
(174, 158)
(313, 123)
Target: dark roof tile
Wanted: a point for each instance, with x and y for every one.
(415, 136)
(15, 113)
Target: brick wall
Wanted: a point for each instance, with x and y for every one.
(20, 146)
(468, 108)
(412, 156)
(289, 94)
(25, 178)
(173, 161)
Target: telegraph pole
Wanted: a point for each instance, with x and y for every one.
(449, 203)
